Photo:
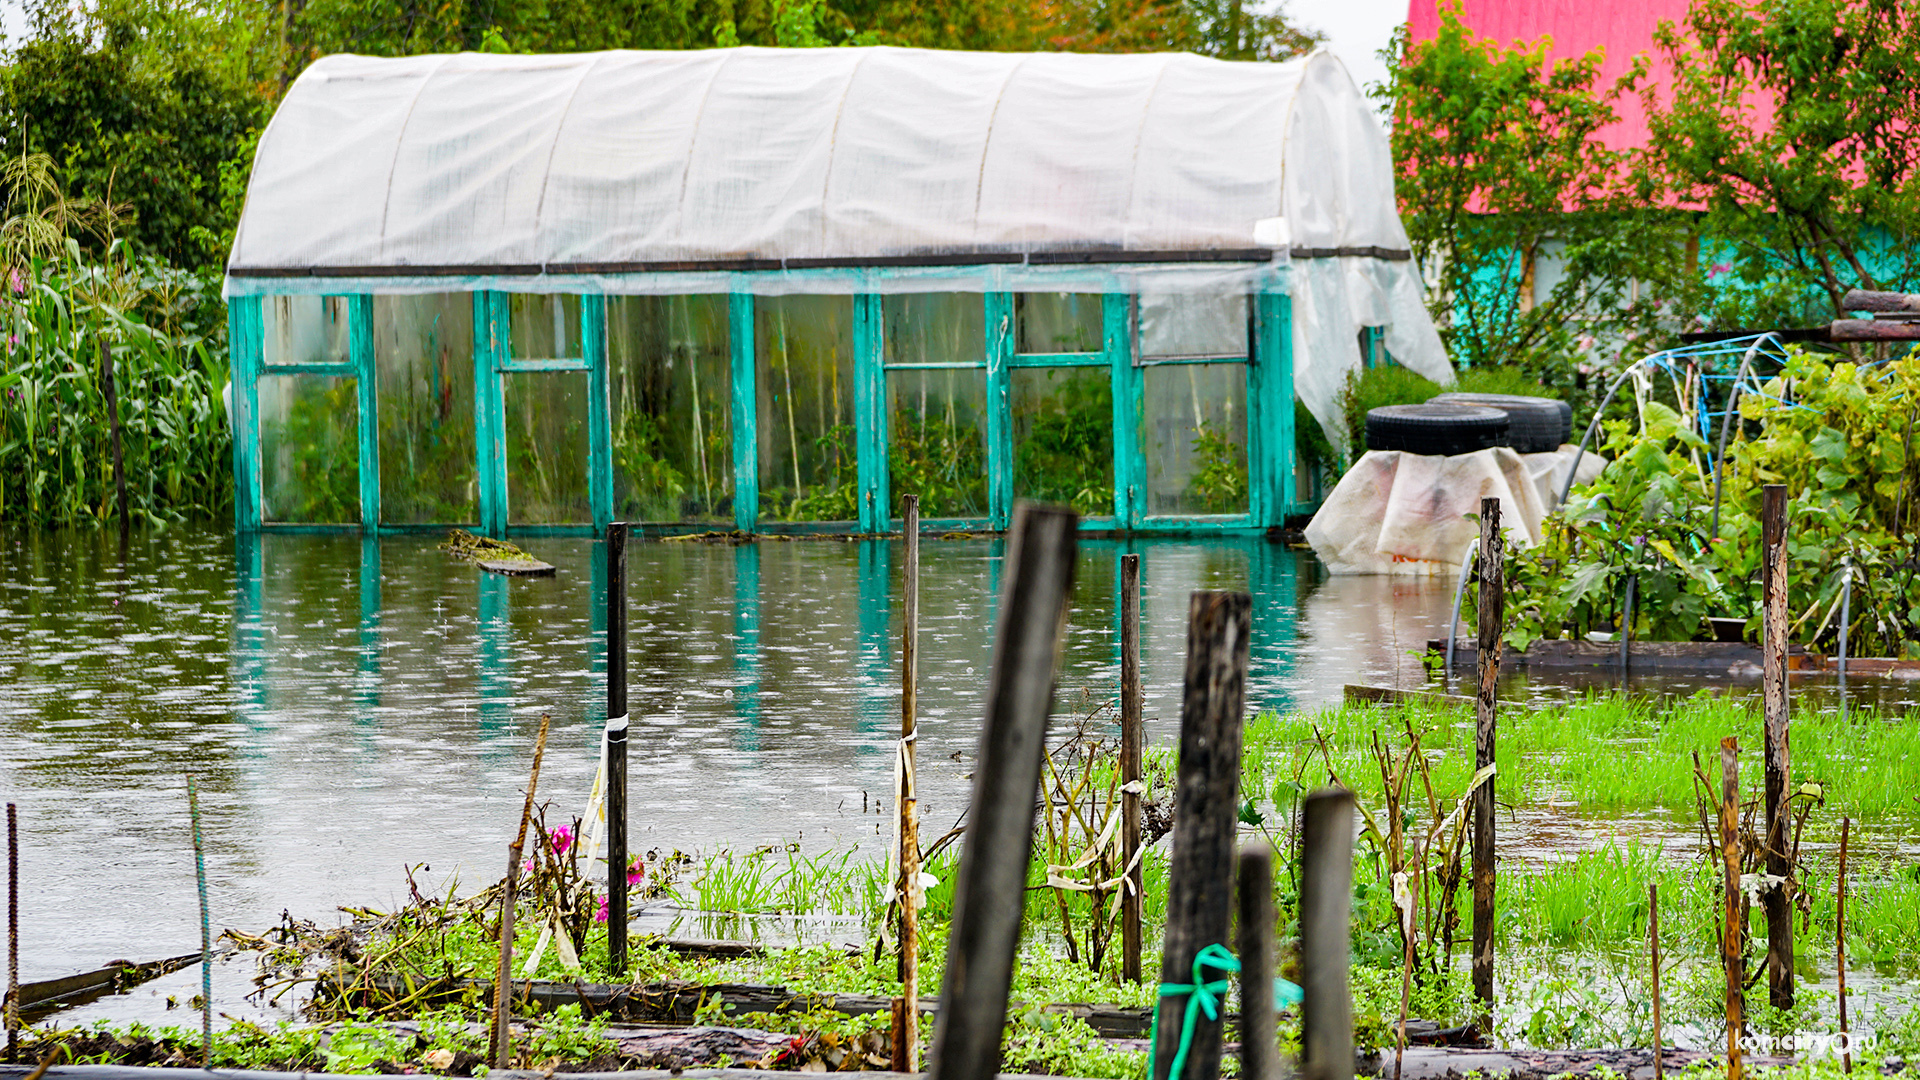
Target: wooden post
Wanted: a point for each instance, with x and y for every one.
(503, 982)
(990, 893)
(1653, 947)
(1326, 902)
(1777, 901)
(111, 393)
(1840, 945)
(1205, 819)
(13, 933)
(1492, 617)
(616, 749)
(1258, 1042)
(1132, 750)
(907, 799)
(1730, 957)
(898, 1029)
(206, 929)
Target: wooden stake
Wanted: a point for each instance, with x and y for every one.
(1653, 947)
(1205, 820)
(1132, 751)
(908, 888)
(206, 929)
(1777, 901)
(1492, 603)
(113, 421)
(1326, 902)
(1840, 945)
(503, 983)
(990, 893)
(898, 1009)
(1258, 1042)
(13, 933)
(1730, 954)
(616, 749)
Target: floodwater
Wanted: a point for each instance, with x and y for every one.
(352, 707)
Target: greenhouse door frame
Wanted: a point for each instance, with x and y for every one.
(1270, 417)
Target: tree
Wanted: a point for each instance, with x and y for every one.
(1499, 167)
(1795, 126)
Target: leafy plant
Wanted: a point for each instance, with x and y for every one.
(1220, 483)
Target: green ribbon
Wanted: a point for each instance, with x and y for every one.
(1203, 995)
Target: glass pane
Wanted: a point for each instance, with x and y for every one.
(1057, 322)
(304, 330)
(544, 327)
(805, 350)
(935, 328)
(937, 441)
(310, 449)
(1206, 324)
(1196, 439)
(672, 378)
(1063, 437)
(547, 448)
(423, 349)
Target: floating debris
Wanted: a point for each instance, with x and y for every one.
(495, 556)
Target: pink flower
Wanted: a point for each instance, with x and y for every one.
(601, 915)
(636, 871)
(19, 283)
(560, 839)
(1719, 268)
(527, 867)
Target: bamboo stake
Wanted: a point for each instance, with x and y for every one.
(908, 1055)
(1730, 956)
(206, 930)
(1326, 906)
(1653, 946)
(1132, 749)
(503, 984)
(1840, 945)
(1778, 899)
(1492, 602)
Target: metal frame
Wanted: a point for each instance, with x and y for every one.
(1270, 417)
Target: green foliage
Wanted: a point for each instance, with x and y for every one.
(1499, 167)
(313, 456)
(1371, 388)
(940, 459)
(1049, 1043)
(656, 487)
(1220, 483)
(1499, 380)
(1311, 445)
(1816, 194)
(1066, 457)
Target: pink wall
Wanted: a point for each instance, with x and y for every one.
(1623, 28)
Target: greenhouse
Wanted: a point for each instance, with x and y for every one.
(778, 289)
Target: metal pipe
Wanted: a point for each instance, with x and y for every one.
(1459, 590)
(1733, 414)
(1567, 488)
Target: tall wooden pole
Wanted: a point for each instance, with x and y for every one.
(908, 888)
(13, 933)
(616, 736)
(1492, 603)
(1132, 750)
(1653, 949)
(1777, 901)
(990, 892)
(1326, 904)
(1840, 944)
(1732, 923)
(1259, 1054)
(1205, 819)
(502, 1035)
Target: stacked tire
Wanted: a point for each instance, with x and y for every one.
(1437, 428)
(1535, 425)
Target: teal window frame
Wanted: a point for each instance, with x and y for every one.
(1270, 415)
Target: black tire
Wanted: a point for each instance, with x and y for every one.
(1437, 429)
(1537, 425)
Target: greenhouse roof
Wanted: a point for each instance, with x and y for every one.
(666, 164)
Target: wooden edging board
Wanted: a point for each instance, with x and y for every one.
(1731, 659)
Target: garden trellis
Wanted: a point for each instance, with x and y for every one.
(780, 288)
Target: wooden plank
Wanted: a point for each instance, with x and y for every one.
(1873, 330)
(517, 567)
(745, 404)
(1885, 302)
(1357, 694)
(1326, 905)
(1492, 614)
(1778, 901)
(1734, 659)
(990, 892)
(1206, 816)
(1132, 755)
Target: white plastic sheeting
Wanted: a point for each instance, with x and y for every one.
(732, 169)
(1400, 513)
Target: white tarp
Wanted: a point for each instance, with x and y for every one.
(1400, 513)
(718, 170)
